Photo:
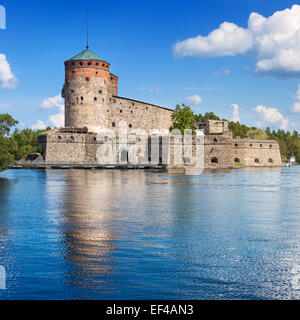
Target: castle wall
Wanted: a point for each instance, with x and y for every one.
(138, 115)
(257, 153)
(218, 151)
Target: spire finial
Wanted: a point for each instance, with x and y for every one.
(87, 28)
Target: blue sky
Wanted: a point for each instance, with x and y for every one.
(246, 67)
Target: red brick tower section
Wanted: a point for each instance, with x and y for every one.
(88, 69)
(88, 89)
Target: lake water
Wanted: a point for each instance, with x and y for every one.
(150, 235)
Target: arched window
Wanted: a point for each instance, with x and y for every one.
(103, 65)
(95, 99)
(261, 145)
(100, 91)
(59, 137)
(130, 126)
(113, 125)
(236, 145)
(81, 63)
(81, 98)
(89, 63)
(214, 160)
(256, 160)
(237, 160)
(97, 64)
(87, 79)
(215, 140)
(73, 63)
(270, 160)
(271, 146)
(251, 145)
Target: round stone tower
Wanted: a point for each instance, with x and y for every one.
(88, 90)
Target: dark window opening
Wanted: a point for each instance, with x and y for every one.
(95, 99)
(215, 140)
(270, 160)
(256, 160)
(81, 98)
(236, 145)
(89, 63)
(113, 125)
(214, 160)
(87, 79)
(237, 160)
(130, 126)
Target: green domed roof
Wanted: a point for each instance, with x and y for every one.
(86, 55)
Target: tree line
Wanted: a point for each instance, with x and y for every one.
(16, 145)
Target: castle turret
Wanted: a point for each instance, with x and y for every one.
(88, 89)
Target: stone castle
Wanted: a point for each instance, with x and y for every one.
(92, 104)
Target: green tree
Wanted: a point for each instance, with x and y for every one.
(183, 118)
(6, 123)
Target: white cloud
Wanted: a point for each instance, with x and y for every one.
(55, 120)
(227, 40)
(53, 102)
(274, 41)
(195, 99)
(39, 125)
(7, 79)
(223, 71)
(272, 116)
(235, 113)
(151, 89)
(296, 106)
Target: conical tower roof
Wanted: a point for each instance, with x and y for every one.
(86, 55)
